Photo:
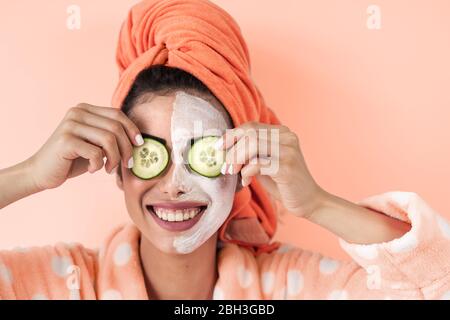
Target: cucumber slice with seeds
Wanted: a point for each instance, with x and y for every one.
(204, 159)
(150, 159)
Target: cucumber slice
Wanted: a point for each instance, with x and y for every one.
(150, 159)
(204, 159)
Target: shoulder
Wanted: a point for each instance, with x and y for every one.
(54, 256)
(43, 272)
(63, 270)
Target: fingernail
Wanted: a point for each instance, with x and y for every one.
(139, 139)
(219, 143)
(114, 170)
(230, 169)
(243, 182)
(130, 163)
(223, 169)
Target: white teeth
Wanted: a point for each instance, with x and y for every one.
(176, 215)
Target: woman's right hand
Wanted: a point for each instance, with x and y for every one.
(79, 144)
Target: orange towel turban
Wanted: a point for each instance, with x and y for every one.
(199, 37)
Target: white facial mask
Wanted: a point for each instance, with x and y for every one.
(194, 117)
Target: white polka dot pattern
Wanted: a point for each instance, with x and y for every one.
(60, 266)
(122, 254)
(294, 282)
(245, 277)
(5, 274)
(446, 296)
(328, 266)
(338, 295)
(268, 280)
(218, 293)
(111, 294)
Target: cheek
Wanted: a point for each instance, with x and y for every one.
(134, 187)
(219, 189)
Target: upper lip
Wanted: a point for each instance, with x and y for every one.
(178, 205)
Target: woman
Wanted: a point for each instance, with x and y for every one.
(202, 224)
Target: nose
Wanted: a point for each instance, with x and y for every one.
(172, 182)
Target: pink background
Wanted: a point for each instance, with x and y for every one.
(371, 107)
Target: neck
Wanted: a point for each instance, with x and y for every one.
(172, 276)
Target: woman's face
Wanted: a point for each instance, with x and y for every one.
(204, 202)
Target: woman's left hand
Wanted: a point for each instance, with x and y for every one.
(286, 177)
(279, 166)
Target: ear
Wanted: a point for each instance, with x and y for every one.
(119, 179)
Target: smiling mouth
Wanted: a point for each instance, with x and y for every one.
(176, 215)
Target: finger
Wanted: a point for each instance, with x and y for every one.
(79, 166)
(75, 148)
(252, 169)
(231, 136)
(289, 138)
(99, 137)
(246, 148)
(248, 172)
(131, 129)
(255, 143)
(270, 185)
(124, 143)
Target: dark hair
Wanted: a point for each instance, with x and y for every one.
(163, 80)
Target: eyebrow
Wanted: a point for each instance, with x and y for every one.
(148, 135)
